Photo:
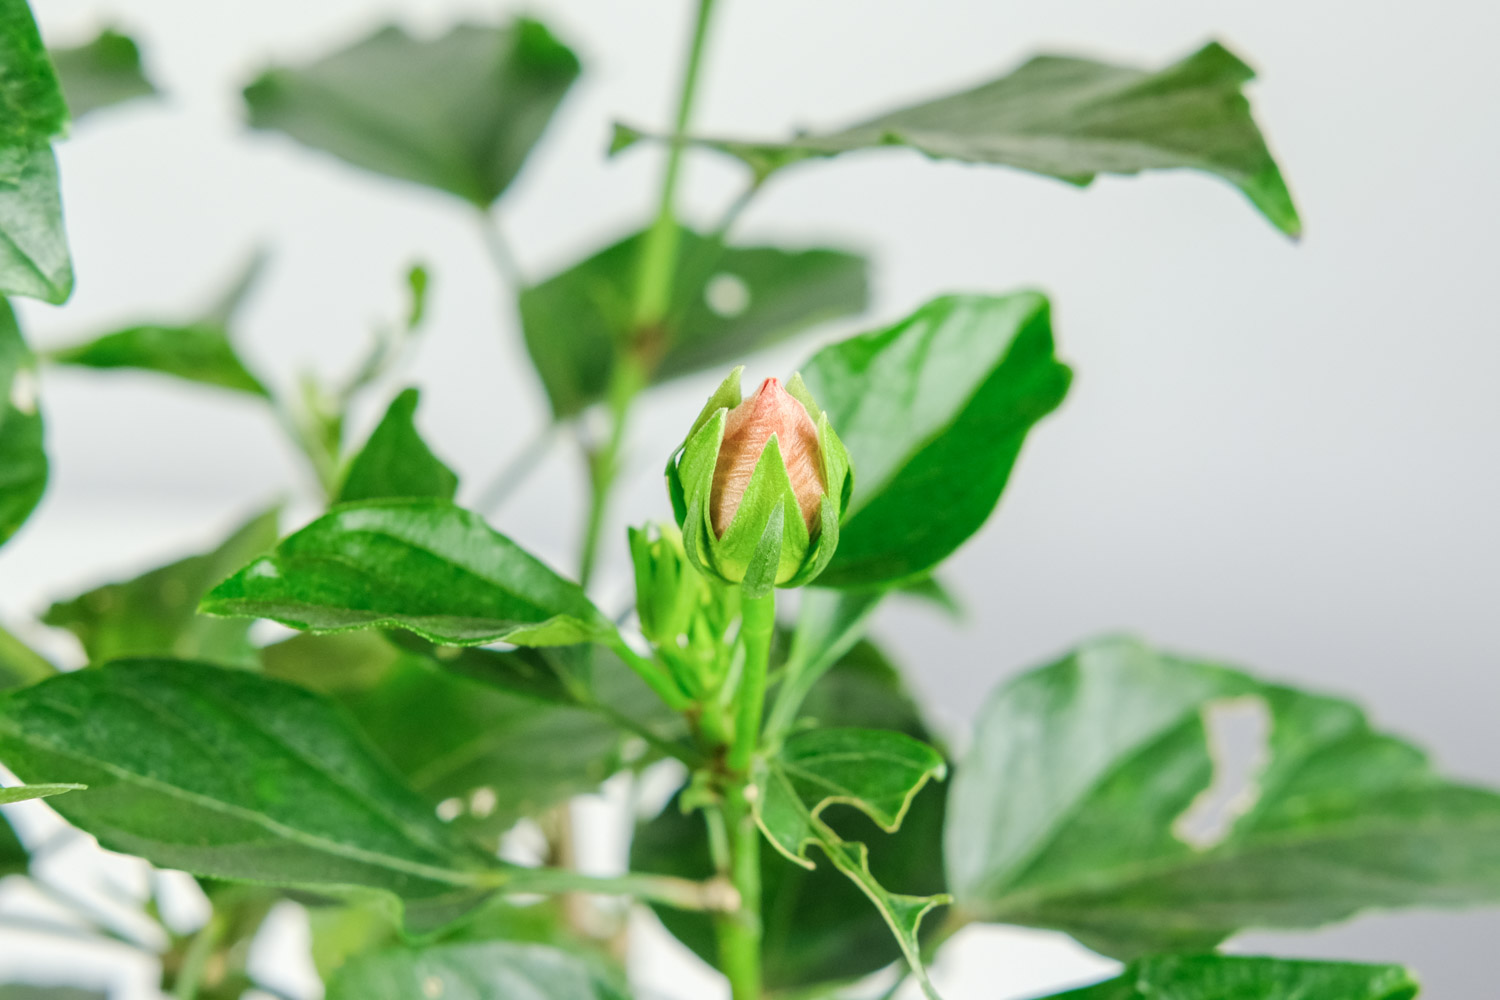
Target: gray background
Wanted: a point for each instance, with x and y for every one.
(1281, 455)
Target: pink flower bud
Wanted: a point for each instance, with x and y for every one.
(750, 425)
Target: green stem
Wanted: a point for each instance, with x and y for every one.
(757, 627)
(20, 664)
(628, 378)
(655, 676)
(195, 960)
(739, 931)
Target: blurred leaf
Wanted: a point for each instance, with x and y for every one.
(396, 462)
(14, 858)
(156, 614)
(934, 411)
(423, 565)
(23, 462)
(1144, 803)
(20, 664)
(1235, 977)
(198, 351)
(492, 970)
(20, 991)
(32, 110)
(105, 71)
(459, 113)
(1073, 119)
(728, 302)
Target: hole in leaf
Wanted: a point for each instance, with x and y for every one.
(727, 295)
(1238, 733)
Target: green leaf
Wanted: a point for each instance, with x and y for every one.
(1234, 977)
(227, 774)
(422, 565)
(1102, 796)
(14, 858)
(459, 113)
(490, 970)
(18, 991)
(396, 462)
(34, 258)
(20, 664)
(1073, 119)
(156, 614)
(23, 462)
(727, 303)
(32, 110)
(198, 351)
(105, 71)
(21, 793)
(933, 411)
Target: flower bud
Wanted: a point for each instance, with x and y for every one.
(760, 485)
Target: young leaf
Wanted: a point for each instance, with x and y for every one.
(23, 462)
(21, 793)
(489, 970)
(1098, 798)
(422, 565)
(199, 351)
(459, 113)
(727, 303)
(396, 462)
(934, 411)
(100, 73)
(156, 614)
(1073, 119)
(1235, 977)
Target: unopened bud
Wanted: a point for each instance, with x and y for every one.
(772, 410)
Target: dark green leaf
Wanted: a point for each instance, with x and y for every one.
(396, 462)
(1147, 803)
(934, 411)
(23, 462)
(103, 72)
(34, 258)
(459, 113)
(727, 303)
(14, 858)
(1072, 119)
(157, 614)
(423, 565)
(491, 970)
(32, 110)
(1234, 977)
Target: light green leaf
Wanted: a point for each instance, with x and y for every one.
(34, 258)
(1073, 119)
(727, 303)
(156, 614)
(490, 970)
(396, 462)
(21, 793)
(1103, 796)
(32, 110)
(20, 664)
(1234, 977)
(100, 73)
(459, 113)
(422, 565)
(933, 411)
(23, 462)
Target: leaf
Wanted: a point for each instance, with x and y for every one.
(933, 411)
(1102, 796)
(34, 258)
(422, 565)
(1234, 977)
(23, 462)
(1072, 119)
(156, 614)
(198, 351)
(396, 462)
(230, 775)
(100, 73)
(14, 858)
(21, 793)
(490, 970)
(727, 303)
(19, 991)
(32, 110)
(459, 113)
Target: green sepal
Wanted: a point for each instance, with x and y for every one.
(838, 481)
(743, 545)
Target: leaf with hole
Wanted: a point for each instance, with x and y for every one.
(23, 462)
(1143, 802)
(396, 462)
(489, 970)
(459, 113)
(1236, 977)
(101, 73)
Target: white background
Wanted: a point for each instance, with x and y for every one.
(1282, 455)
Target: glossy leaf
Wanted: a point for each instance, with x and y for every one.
(422, 565)
(100, 73)
(1235, 977)
(198, 351)
(490, 970)
(933, 411)
(1099, 797)
(727, 303)
(22, 793)
(156, 614)
(1072, 118)
(23, 462)
(34, 259)
(396, 462)
(459, 113)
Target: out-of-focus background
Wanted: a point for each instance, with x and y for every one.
(1281, 455)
